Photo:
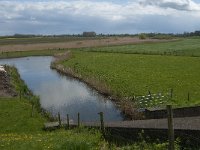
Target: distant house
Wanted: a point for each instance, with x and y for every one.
(89, 34)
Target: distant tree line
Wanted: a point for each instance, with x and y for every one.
(195, 33)
(93, 34)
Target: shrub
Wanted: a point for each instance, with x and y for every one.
(142, 36)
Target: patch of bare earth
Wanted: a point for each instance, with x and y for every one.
(76, 44)
(6, 90)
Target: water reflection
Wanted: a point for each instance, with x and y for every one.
(62, 94)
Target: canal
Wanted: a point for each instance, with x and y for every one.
(62, 94)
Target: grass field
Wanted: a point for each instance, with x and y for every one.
(136, 74)
(179, 47)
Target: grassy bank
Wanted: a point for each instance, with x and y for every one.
(128, 75)
(18, 130)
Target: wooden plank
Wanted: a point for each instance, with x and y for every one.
(170, 127)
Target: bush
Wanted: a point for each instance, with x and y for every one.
(142, 36)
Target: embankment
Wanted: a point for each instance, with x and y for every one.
(13, 86)
(127, 107)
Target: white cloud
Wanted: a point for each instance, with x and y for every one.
(55, 17)
(182, 5)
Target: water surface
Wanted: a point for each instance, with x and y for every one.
(62, 94)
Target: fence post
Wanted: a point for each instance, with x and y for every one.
(150, 95)
(102, 123)
(59, 120)
(78, 120)
(188, 96)
(170, 127)
(171, 93)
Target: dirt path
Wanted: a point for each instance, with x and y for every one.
(76, 44)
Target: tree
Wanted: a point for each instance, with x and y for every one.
(89, 34)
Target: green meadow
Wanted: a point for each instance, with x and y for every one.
(128, 75)
(177, 47)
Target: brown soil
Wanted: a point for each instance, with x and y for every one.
(76, 44)
(6, 89)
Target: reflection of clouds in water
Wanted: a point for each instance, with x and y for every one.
(62, 92)
(71, 97)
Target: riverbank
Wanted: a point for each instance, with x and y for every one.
(127, 106)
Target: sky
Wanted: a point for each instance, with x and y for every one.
(101, 16)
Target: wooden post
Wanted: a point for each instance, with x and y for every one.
(32, 110)
(68, 121)
(78, 120)
(171, 93)
(149, 93)
(170, 127)
(188, 96)
(59, 120)
(102, 122)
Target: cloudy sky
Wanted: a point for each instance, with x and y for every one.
(101, 16)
